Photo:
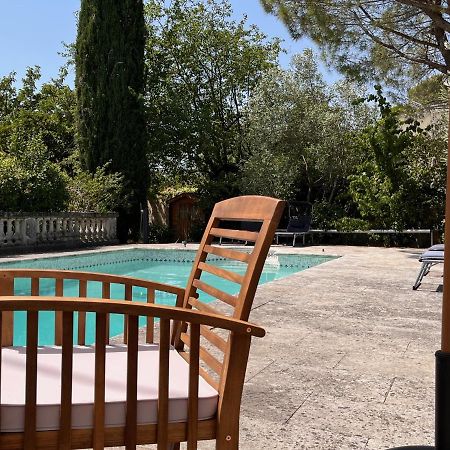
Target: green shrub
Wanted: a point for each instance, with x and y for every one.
(159, 234)
(30, 182)
(325, 214)
(100, 192)
(351, 224)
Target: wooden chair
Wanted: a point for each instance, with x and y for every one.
(185, 387)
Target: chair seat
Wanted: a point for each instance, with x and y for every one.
(49, 387)
(432, 256)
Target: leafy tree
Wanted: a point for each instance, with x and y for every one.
(401, 183)
(360, 36)
(297, 124)
(28, 112)
(203, 67)
(31, 183)
(429, 91)
(110, 107)
(36, 133)
(39, 162)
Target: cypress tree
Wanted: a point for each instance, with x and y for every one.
(110, 85)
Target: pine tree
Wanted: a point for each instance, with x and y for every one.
(109, 86)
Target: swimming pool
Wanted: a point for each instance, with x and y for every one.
(167, 266)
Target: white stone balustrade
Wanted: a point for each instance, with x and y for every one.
(26, 229)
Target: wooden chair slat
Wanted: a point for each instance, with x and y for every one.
(106, 294)
(82, 438)
(7, 288)
(99, 387)
(255, 266)
(216, 293)
(194, 355)
(249, 208)
(132, 375)
(65, 426)
(222, 273)
(196, 303)
(31, 380)
(163, 384)
(149, 332)
(203, 373)
(228, 253)
(240, 235)
(35, 286)
(82, 292)
(59, 292)
(211, 361)
(59, 287)
(128, 297)
(178, 326)
(212, 337)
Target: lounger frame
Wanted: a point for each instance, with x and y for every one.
(427, 264)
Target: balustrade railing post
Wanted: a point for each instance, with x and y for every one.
(26, 229)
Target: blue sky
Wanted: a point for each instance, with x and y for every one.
(32, 33)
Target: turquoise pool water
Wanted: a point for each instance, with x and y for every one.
(167, 266)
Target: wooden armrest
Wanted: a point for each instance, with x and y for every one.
(91, 276)
(105, 306)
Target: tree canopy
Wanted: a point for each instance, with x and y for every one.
(202, 69)
(373, 36)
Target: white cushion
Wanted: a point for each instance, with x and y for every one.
(49, 387)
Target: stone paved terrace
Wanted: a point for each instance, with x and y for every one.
(348, 360)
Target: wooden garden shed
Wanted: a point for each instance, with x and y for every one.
(184, 213)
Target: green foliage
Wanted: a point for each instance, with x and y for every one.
(351, 224)
(110, 106)
(159, 234)
(101, 191)
(429, 91)
(296, 126)
(29, 113)
(222, 119)
(31, 182)
(40, 169)
(273, 175)
(401, 183)
(36, 133)
(202, 67)
(394, 39)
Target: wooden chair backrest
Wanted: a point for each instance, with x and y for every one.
(262, 211)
